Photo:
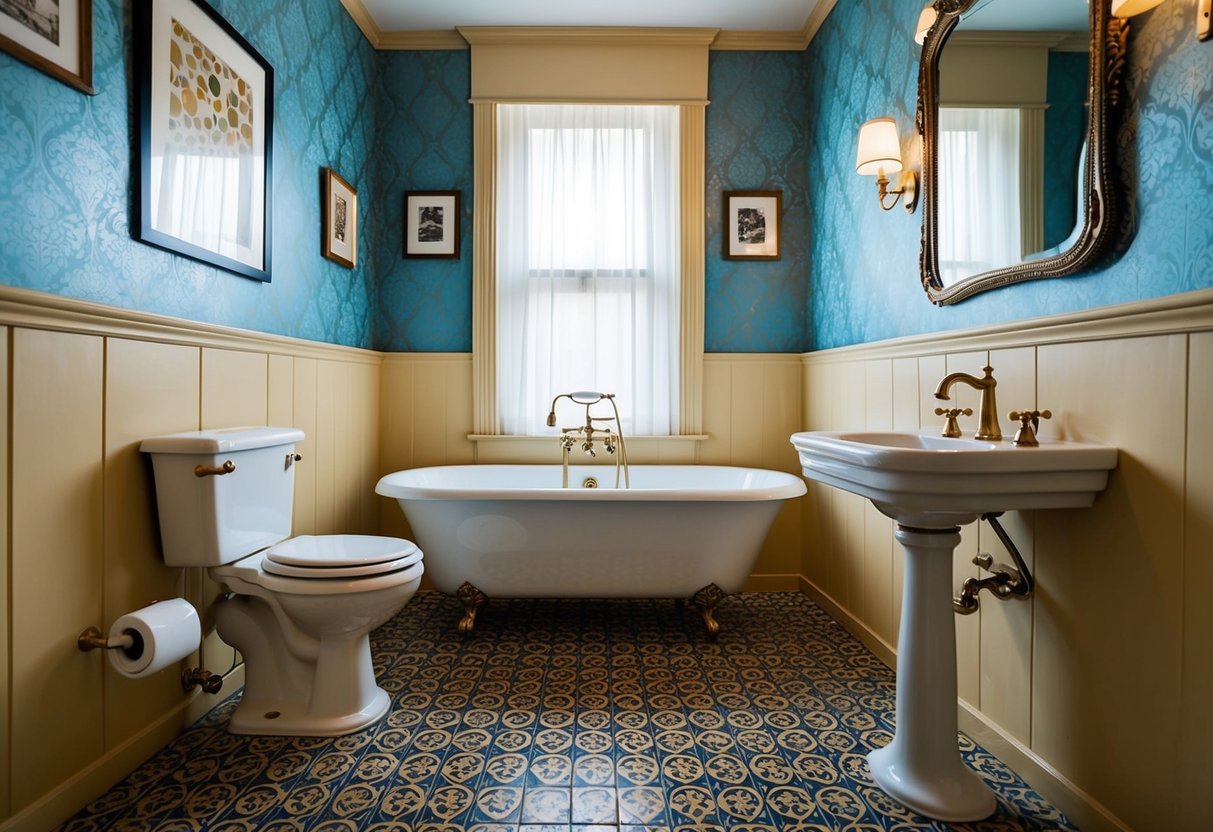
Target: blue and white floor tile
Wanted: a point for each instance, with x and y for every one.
(573, 716)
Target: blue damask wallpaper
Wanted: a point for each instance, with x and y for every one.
(864, 263)
(757, 127)
(65, 179)
(423, 142)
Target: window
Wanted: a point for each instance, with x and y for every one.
(979, 186)
(588, 261)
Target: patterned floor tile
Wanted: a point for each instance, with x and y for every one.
(573, 716)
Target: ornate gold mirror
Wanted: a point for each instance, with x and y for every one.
(1013, 100)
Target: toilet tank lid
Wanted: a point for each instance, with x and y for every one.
(221, 440)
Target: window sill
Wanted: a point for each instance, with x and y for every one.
(496, 448)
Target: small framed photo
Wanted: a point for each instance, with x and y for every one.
(339, 240)
(55, 36)
(751, 224)
(431, 224)
(205, 119)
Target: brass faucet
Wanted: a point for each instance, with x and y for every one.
(987, 410)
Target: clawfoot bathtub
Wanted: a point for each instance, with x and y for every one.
(511, 531)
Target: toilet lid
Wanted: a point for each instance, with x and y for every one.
(339, 556)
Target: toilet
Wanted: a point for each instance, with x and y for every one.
(299, 609)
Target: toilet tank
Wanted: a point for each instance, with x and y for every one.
(214, 518)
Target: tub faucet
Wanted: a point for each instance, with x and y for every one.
(987, 410)
(584, 435)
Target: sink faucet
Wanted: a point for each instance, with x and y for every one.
(987, 410)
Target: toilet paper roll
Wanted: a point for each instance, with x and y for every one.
(161, 635)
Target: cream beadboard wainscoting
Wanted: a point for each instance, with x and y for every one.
(751, 405)
(84, 384)
(1096, 690)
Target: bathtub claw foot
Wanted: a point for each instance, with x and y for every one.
(707, 599)
(472, 599)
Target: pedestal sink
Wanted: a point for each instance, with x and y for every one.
(931, 485)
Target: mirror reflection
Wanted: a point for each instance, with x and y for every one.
(1011, 127)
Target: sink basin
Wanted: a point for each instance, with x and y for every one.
(930, 481)
(931, 485)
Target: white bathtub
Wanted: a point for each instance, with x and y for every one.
(511, 531)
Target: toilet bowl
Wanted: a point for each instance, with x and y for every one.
(305, 638)
(299, 609)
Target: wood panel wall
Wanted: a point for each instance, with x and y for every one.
(1106, 674)
(82, 541)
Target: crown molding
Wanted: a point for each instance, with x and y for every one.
(734, 40)
(421, 40)
(720, 40)
(364, 21)
(586, 36)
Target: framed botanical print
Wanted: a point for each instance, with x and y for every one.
(205, 137)
(339, 235)
(55, 36)
(431, 224)
(751, 224)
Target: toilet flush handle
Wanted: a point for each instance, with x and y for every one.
(215, 470)
(291, 459)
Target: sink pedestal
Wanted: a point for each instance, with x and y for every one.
(922, 766)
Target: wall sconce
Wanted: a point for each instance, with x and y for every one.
(879, 154)
(926, 19)
(1129, 8)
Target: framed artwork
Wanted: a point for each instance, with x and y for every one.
(55, 36)
(339, 238)
(431, 224)
(751, 224)
(205, 137)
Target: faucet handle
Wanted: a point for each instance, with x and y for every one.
(1029, 423)
(950, 428)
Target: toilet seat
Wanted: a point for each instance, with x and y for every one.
(339, 556)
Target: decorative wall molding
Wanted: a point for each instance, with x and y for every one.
(1187, 312)
(727, 40)
(39, 310)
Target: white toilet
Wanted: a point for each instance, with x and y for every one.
(301, 608)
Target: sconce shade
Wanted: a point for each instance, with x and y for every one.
(1128, 8)
(879, 148)
(926, 19)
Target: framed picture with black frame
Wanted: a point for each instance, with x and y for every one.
(431, 225)
(54, 36)
(206, 115)
(751, 224)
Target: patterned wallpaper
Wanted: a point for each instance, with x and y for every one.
(757, 126)
(423, 142)
(864, 263)
(65, 179)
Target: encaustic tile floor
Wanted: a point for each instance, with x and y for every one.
(573, 716)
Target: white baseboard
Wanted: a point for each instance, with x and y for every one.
(1078, 806)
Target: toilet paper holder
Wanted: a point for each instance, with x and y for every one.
(92, 639)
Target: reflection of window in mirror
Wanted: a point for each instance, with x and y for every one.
(980, 208)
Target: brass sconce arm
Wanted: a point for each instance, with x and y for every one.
(908, 192)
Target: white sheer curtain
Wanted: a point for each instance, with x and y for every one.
(979, 210)
(587, 261)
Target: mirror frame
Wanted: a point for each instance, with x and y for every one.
(1107, 46)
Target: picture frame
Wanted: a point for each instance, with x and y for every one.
(339, 226)
(54, 36)
(431, 225)
(205, 127)
(752, 221)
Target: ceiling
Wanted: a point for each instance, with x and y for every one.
(741, 15)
